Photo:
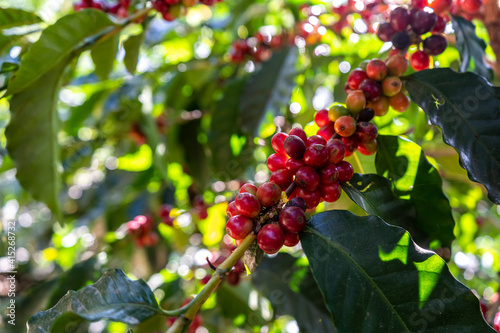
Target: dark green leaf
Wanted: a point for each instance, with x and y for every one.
(114, 297)
(269, 90)
(194, 152)
(104, 54)
(132, 48)
(375, 279)
(32, 138)
(466, 109)
(471, 47)
(374, 194)
(233, 302)
(56, 43)
(253, 256)
(291, 289)
(13, 17)
(416, 180)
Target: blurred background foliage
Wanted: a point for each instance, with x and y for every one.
(191, 124)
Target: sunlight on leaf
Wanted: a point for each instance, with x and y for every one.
(400, 252)
(428, 275)
(214, 225)
(139, 161)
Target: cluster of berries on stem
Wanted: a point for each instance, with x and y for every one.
(257, 48)
(141, 229)
(119, 8)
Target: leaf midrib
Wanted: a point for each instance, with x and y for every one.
(346, 255)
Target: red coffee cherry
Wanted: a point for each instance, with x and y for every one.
(307, 178)
(440, 6)
(356, 101)
(239, 226)
(233, 278)
(248, 188)
(292, 219)
(345, 171)
(321, 118)
(380, 107)
(399, 19)
(283, 178)
(291, 239)
(312, 198)
(277, 143)
(297, 202)
(336, 149)
(385, 32)
(391, 85)
(276, 162)
(376, 69)
(330, 192)
(366, 131)
(400, 102)
(419, 60)
(396, 65)
(470, 6)
(372, 90)
(326, 132)
(231, 210)
(315, 139)
(316, 155)
(298, 132)
(350, 143)
(434, 45)
(329, 174)
(367, 148)
(269, 194)
(271, 238)
(355, 78)
(294, 165)
(247, 204)
(295, 147)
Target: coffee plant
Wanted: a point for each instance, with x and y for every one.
(250, 166)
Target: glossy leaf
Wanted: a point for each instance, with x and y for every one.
(292, 290)
(56, 43)
(375, 279)
(471, 47)
(269, 89)
(32, 138)
(114, 297)
(104, 54)
(374, 194)
(466, 108)
(416, 180)
(132, 48)
(13, 17)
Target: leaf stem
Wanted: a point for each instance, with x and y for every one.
(360, 166)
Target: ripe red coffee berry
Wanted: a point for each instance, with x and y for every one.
(277, 143)
(385, 32)
(329, 174)
(248, 188)
(291, 239)
(336, 150)
(355, 77)
(376, 70)
(423, 21)
(350, 143)
(247, 204)
(368, 148)
(439, 26)
(315, 139)
(434, 45)
(297, 202)
(400, 102)
(372, 90)
(276, 162)
(419, 60)
(298, 132)
(307, 178)
(399, 19)
(293, 165)
(239, 226)
(321, 118)
(470, 6)
(231, 210)
(316, 155)
(295, 147)
(312, 198)
(269, 194)
(282, 177)
(326, 132)
(345, 171)
(366, 131)
(440, 6)
(345, 126)
(271, 238)
(391, 86)
(380, 107)
(233, 278)
(330, 192)
(396, 65)
(292, 219)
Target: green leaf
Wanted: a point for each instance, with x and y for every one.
(416, 180)
(269, 89)
(132, 48)
(114, 297)
(291, 289)
(374, 194)
(56, 43)
(471, 47)
(6, 42)
(32, 138)
(253, 256)
(465, 107)
(12, 17)
(233, 302)
(375, 279)
(104, 54)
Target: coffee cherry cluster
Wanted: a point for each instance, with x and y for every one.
(405, 27)
(120, 8)
(370, 11)
(469, 9)
(140, 228)
(257, 48)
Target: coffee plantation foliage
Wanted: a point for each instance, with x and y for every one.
(322, 166)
